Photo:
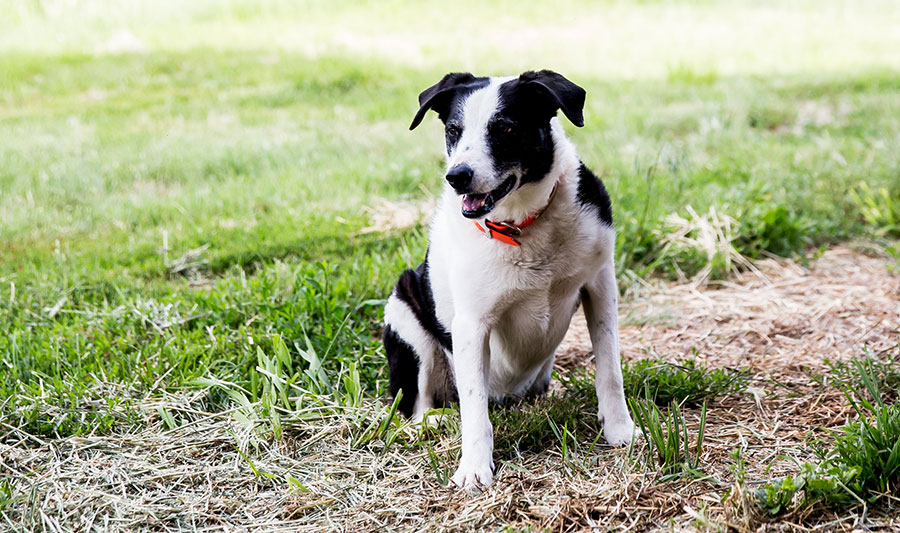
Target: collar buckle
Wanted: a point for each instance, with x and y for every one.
(506, 227)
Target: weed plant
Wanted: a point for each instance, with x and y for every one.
(669, 446)
(867, 372)
(860, 465)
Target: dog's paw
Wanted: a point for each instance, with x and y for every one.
(473, 477)
(618, 432)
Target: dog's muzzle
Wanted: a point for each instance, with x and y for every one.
(477, 205)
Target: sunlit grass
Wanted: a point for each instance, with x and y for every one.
(613, 39)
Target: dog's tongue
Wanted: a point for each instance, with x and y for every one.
(471, 202)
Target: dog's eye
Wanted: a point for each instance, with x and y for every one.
(503, 128)
(453, 131)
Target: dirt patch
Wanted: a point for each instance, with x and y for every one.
(783, 318)
(393, 216)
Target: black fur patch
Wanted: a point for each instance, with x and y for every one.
(518, 137)
(553, 91)
(592, 192)
(404, 370)
(414, 289)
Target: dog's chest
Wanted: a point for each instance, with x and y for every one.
(553, 264)
(537, 316)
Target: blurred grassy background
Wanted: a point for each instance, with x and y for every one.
(180, 181)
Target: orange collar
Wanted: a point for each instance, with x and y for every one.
(507, 231)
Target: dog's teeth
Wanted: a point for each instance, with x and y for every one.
(474, 201)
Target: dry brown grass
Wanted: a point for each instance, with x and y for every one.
(781, 318)
(213, 473)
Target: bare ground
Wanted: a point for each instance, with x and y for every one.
(211, 473)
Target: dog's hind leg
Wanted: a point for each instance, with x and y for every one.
(411, 348)
(404, 369)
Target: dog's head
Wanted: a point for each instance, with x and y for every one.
(498, 131)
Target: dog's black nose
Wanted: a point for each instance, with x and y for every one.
(460, 177)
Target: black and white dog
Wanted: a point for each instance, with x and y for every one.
(522, 235)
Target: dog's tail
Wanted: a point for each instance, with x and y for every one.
(404, 370)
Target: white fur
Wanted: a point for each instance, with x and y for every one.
(472, 148)
(508, 308)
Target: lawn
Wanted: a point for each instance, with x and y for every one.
(191, 273)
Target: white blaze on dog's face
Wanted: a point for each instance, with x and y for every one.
(466, 133)
(498, 131)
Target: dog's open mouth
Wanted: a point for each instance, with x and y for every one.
(475, 205)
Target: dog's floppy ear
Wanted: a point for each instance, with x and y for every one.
(558, 92)
(437, 96)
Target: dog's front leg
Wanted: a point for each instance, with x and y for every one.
(471, 365)
(600, 299)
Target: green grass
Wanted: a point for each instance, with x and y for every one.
(533, 424)
(860, 467)
(185, 209)
(251, 165)
(688, 383)
(868, 372)
(6, 492)
(85, 224)
(869, 449)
